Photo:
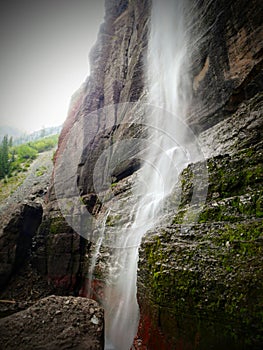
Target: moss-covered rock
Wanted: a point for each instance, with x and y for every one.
(202, 282)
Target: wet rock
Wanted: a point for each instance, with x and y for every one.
(220, 82)
(55, 323)
(183, 271)
(202, 279)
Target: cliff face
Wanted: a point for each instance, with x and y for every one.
(227, 59)
(200, 283)
(189, 281)
(116, 63)
(117, 76)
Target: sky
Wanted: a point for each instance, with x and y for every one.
(44, 48)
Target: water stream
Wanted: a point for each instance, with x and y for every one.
(167, 84)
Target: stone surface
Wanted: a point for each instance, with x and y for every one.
(16, 238)
(200, 283)
(117, 76)
(225, 51)
(239, 130)
(199, 288)
(55, 323)
(226, 58)
(58, 253)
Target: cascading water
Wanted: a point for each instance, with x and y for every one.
(167, 84)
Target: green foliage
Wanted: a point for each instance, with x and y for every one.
(44, 144)
(15, 159)
(25, 152)
(4, 157)
(41, 170)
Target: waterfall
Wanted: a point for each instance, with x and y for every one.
(165, 157)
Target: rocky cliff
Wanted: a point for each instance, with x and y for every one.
(116, 77)
(199, 284)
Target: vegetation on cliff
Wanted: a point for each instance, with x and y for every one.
(206, 276)
(15, 162)
(14, 159)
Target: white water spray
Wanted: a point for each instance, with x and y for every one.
(166, 157)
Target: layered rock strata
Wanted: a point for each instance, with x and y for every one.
(200, 283)
(116, 77)
(210, 269)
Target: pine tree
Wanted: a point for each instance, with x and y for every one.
(4, 159)
(2, 174)
(10, 142)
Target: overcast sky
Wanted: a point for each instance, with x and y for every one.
(44, 47)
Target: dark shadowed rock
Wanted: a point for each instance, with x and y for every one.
(55, 323)
(58, 253)
(18, 229)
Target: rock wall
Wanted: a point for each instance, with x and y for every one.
(210, 271)
(226, 58)
(16, 236)
(200, 283)
(116, 77)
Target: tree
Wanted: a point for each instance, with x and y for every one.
(4, 157)
(10, 142)
(2, 173)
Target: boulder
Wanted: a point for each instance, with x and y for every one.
(55, 323)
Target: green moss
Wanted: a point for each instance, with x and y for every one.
(235, 179)
(212, 272)
(228, 177)
(112, 220)
(219, 279)
(41, 171)
(59, 225)
(179, 217)
(243, 240)
(233, 210)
